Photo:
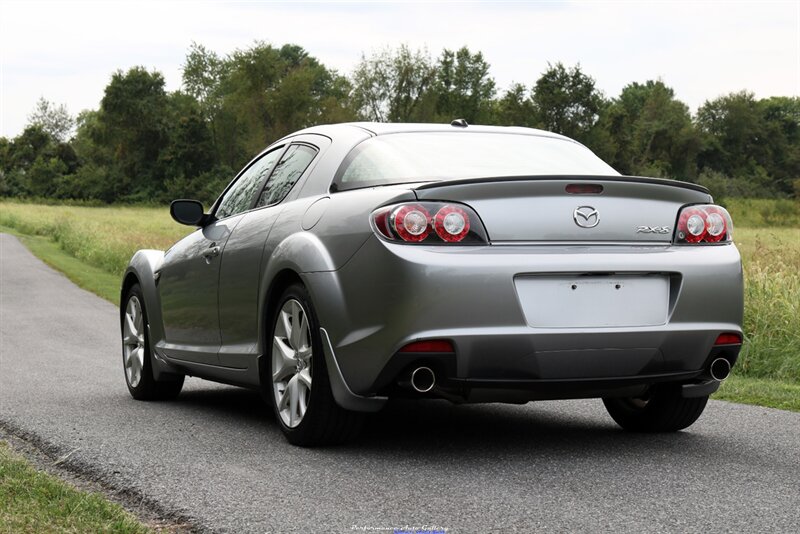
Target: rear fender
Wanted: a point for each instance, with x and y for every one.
(304, 253)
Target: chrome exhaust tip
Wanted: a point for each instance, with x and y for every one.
(423, 379)
(720, 369)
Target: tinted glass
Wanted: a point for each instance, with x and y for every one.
(410, 157)
(239, 197)
(287, 172)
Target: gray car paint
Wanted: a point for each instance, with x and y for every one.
(372, 296)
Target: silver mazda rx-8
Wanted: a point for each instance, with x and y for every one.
(353, 263)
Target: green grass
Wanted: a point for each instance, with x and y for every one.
(32, 501)
(771, 260)
(763, 212)
(103, 237)
(760, 392)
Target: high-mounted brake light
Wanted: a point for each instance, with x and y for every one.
(704, 224)
(430, 223)
(584, 189)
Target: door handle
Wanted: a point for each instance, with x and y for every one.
(211, 252)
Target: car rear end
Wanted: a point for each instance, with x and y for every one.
(539, 287)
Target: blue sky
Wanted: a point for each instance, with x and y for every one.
(66, 51)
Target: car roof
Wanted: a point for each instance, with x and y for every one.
(384, 128)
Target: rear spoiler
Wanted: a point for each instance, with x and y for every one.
(571, 178)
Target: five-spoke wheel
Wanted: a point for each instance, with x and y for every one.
(307, 415)
(133, 341)
(292, 360)
(136, 355)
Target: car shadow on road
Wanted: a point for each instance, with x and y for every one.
(440, 429)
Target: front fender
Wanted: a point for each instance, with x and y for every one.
(144, 268)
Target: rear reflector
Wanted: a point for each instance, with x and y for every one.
(728, 339)
(584, 189)
(435, 345)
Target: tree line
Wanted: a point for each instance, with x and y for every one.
(146, 144)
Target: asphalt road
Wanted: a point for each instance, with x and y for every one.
(217, 456)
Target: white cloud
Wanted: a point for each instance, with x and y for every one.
(67, 51)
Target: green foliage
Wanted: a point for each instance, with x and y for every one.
(566, 101)
(393, 85)
(464, 89)
(53, 119)
(652, 132)
(145, 144)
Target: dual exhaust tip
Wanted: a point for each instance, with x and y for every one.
(423, 379)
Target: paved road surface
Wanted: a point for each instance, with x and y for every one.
(217, 456)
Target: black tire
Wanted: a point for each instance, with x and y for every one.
(662, 409)
(324, 421)
(147, 388)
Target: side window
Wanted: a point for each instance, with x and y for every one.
(238, 198)
(286, 173)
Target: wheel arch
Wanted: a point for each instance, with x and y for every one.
(283, 279)
(143, 269)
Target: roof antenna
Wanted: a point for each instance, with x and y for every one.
(460, 123)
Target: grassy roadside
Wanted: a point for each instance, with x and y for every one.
(760, 392)
(33, 501)
(90, 278)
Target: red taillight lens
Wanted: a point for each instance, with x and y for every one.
(433, 345)
(451, 223)
(413, 223)
(716, 224)
(728, 339)
(704, 224)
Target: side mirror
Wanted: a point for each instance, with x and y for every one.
(188, 212)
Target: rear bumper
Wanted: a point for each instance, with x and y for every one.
(389, 295)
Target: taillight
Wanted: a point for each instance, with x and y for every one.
(412, 223)
(430, 223)
(704, 224)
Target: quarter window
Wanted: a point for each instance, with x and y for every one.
(240, 196)
(291, 167)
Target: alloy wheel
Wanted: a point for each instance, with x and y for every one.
(133, 341)
(291, 362)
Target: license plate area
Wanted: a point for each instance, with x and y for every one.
(594, 300)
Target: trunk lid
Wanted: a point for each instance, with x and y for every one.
(538, 209)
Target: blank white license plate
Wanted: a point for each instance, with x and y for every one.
(593, 301)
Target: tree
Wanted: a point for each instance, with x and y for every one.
(652, 132)
(392, 85)
(53, 119)
(515, 108)
(567, 102)
(735, 134)
(464, 88)
(132, 124)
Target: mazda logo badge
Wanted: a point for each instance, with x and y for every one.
(586, 217)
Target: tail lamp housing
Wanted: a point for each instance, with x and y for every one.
(703, 224)
(429, 223)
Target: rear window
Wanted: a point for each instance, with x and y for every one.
(436, 156)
